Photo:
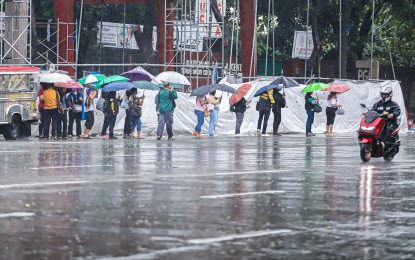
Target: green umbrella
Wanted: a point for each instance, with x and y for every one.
(175, 85)
(314, 87)
(145, 85)
(110, 79)
(91, 78)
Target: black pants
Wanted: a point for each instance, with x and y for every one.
(331, 114)
(277, 119)
(265, 115)
(127, 122)
(50, 115)
(75, 117)
(42, 123)
(62, 129)
(109, 121)
(90, 119)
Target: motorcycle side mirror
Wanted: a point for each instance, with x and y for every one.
(363, 105)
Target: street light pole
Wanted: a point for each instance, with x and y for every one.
(371, 48)
(340, 40)
(306, 41)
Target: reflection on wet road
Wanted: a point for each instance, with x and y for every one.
(230, 197)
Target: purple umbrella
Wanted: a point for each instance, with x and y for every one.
(140, 74)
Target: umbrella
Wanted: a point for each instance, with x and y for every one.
(110, 79)
(266, 88)
(314, 87)
(140, 74)
(175, 85)
(54, 78)
(173, 77)
(91, 78)
(338, 88)
(116, 86)
(286, 82)
(209, 88)
(242, 91)
(69, 84)
(145, 85)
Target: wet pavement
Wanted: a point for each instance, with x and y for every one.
(286, 197)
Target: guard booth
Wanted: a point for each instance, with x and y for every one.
(17, 101)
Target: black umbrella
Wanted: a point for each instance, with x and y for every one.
(210, 88)
(287, 82)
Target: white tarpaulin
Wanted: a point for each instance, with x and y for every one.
(293, 116)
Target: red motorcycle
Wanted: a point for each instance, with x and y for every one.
(372, 129)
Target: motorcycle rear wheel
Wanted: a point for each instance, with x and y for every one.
(365, 152)
(390, 157)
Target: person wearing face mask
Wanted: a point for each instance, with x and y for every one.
(390, 109)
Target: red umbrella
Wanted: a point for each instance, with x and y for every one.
(242, 90)
(338, 88)
(69, 84)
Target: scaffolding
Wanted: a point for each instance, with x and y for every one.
(16, 32)
(198, 38)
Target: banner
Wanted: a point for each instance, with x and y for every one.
(112, 35)
(205, 17)
(303, 44)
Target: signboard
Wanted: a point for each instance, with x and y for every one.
(303, 44)
(112, 35)
(205, 17)
(363, 70)
(188, 37)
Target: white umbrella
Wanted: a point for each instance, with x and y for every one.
(173, 77)
(54, 78)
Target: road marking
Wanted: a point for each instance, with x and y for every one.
(40, 184)
(17, 215)
(69, 166)
(238, 236)
(242, 194)
(219, 174)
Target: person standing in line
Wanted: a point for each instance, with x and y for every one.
(214, 103)
(51, 105)
(127, 120)
(266, 101)
(200, 106)
(165, 118)
(276, 110)
(310, 102)
(111, 110)
(75, 112)
(332, 106)
(40, 108)
(89, 110)
(239, 108)
(135, 105)
(62, 128)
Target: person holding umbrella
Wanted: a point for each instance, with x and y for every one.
(266, 101)
(276, 109)
(238, 104)
(310, 102)
(165, 117)
(111, 110)
(50, 97)
(200, 106)
(75, 112)
(332, 106)
(89, 110)
(214, 103)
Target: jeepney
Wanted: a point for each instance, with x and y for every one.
(17, 101)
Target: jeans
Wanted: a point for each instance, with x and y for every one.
(42, 119)
(74, 117)
(62, 129)
(239, 119)
(310, 121)
(50, 115)
(135, 122)
(265, 115)
(214, 114)
(200, 120)
(277, 119)
(127, 123)
(165, 119)
(109, 121)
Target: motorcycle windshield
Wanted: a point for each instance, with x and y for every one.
(370, 117)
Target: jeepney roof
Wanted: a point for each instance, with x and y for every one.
(18, 70)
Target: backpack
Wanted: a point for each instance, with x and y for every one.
(134, 109)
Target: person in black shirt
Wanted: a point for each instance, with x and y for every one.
(276, 110)
(239, 108)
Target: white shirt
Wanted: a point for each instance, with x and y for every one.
(331, 102)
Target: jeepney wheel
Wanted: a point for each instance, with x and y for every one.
(13, 129)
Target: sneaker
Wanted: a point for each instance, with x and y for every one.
(310, 134)
(104, 137)
(158, 138)
(112, 137)
(172, 138)
(258, 132)
(238, 135)
(276, 134)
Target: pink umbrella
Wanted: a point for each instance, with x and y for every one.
(69, 84)
(338, 88)
(235, 98)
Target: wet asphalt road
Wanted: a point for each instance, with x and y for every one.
(289, 197)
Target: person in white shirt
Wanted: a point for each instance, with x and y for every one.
(332, 106)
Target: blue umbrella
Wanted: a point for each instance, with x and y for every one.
(266, 88)
(116, 86)
(209, 88)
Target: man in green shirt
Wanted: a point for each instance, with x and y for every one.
(166, 99)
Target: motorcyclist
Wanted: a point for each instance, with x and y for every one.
(390, 110)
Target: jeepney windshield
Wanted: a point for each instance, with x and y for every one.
(16, 82)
